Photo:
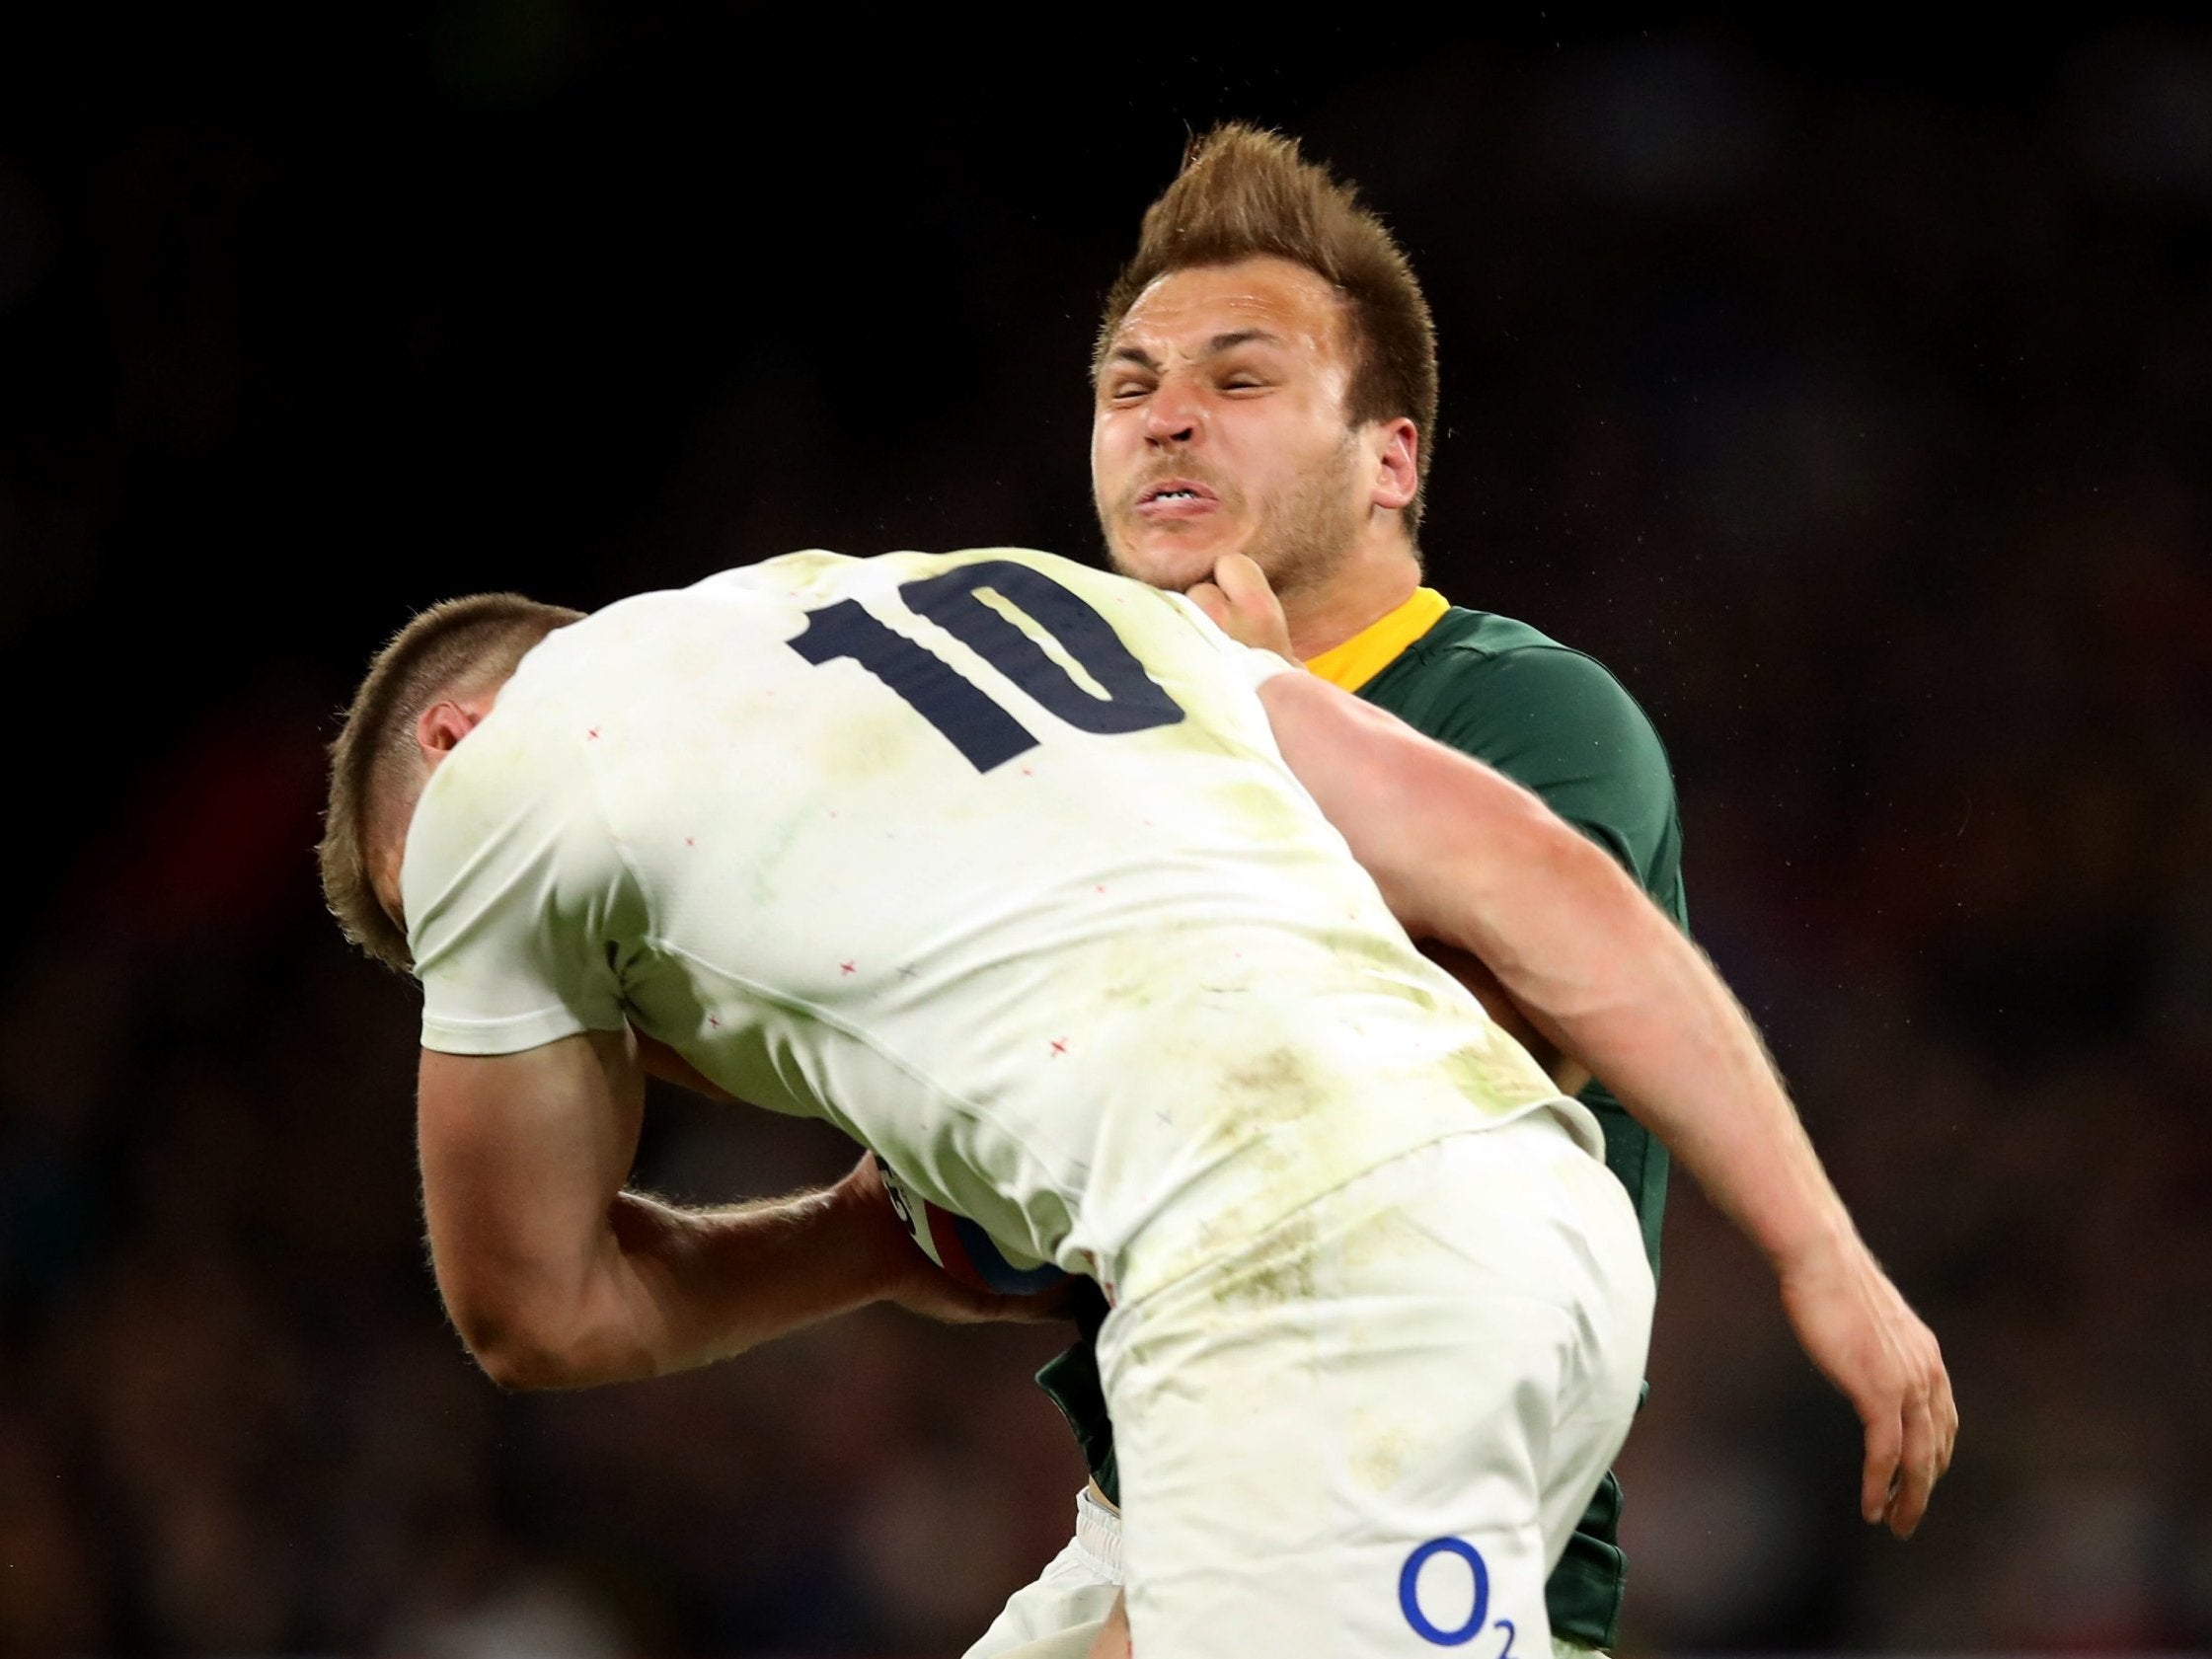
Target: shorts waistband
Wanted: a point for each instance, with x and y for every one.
(1098, 1536)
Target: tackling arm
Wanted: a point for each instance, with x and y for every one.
(1469, 858)
(1565, 1070)
(1239, 602)
(556, 1277)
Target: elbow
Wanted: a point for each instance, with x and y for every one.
(528, 1328)
(519, 1367)
(514, 1353)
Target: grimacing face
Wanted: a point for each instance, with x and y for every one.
(1218, 427)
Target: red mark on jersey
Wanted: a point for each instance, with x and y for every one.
(688, 842)
(593, 734)
(1059, 1045)
(712, 1021)
(1105, 1284)
(847, 967)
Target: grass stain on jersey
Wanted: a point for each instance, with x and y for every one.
(1498, 1076)
(1280, 1113)
(1264, 812)
(1380, 1452)
(1277, 1269)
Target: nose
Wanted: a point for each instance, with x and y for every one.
(1171, 414)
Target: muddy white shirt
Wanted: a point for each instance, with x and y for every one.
(989, 858)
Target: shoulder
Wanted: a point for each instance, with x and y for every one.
(1509, 684)
(513, 806)
(521, 755)
(1551, 718)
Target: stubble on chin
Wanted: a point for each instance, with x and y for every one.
(1157, 561)
(1306, 537)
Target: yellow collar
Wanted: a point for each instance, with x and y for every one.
(1376, 647)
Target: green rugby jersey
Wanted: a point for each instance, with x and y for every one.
(1555, 723)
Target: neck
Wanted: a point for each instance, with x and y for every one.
(1370, 582)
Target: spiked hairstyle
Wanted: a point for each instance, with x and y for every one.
(1243, 193)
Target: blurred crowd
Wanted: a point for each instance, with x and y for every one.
(1856, 415)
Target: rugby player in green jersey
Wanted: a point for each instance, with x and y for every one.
(1265, 386)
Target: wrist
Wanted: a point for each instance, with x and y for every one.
(1821, 1245)
(858, 1214)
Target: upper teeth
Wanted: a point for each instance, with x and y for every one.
(1168, 495)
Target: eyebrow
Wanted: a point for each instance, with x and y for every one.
(1241, 336)
(1217, 344)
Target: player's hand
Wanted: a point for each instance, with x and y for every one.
(1243, 607)
(1856, 1327)
(905, 1276)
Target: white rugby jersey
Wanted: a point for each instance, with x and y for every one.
(987, 858)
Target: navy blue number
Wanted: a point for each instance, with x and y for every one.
(1408, 1592)
(1133, 701)
(977, 727)
(1505, 1624)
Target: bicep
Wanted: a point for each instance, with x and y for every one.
(521, 1154)
(1409, 807)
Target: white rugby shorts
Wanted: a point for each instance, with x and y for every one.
(1061, 1610)
(1370, 1430)
(1058, 1613)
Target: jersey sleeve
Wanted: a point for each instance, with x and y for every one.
(510, 886)
(1250, 665)
(1258, 668)
(1557, 722)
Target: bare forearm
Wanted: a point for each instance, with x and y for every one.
(670, 1289)
(1617, 985)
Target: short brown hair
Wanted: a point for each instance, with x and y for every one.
(1243, 193)
(452, 648)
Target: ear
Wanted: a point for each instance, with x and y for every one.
(1396, 448)
(445, 722)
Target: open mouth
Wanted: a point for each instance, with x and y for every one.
(1169, 494)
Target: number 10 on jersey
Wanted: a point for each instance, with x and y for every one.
(961, 710)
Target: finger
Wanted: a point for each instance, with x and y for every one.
(1946, 1421)
(1259, 615)
(1885, 1438)
(1916, 1469)
(1245, 582)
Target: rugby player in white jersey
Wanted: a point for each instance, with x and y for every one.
(1038, 885)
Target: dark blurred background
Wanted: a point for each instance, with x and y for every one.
(1843, 388)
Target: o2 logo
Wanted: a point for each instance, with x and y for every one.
(1410, 1596)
